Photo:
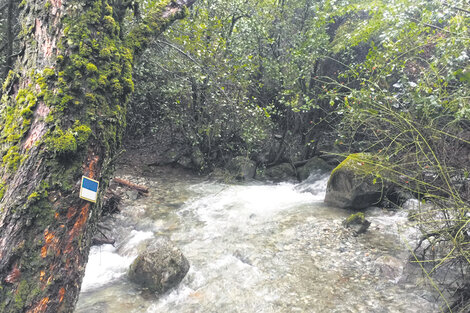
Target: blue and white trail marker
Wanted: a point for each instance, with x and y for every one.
(89, 189)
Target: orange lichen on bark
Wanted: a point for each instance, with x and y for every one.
(82, 218)
(14, 275)
(40, 307)
(41, 275)
(78, 226)
(43, 251)
(90, 170)
(50, 242)
(61, 294)
(48, 236)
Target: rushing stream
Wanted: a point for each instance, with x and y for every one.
(256, 247)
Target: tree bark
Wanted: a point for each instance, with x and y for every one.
(62, 116)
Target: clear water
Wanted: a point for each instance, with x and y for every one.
(256, 247)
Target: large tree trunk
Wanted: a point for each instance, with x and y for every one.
(62, 116)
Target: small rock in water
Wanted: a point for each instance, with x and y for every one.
(357, 222)
(390, 267)
(132, 194)
(242, 257)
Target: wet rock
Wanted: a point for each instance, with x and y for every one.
(357, 222)
(355, 183)
(389, 267)
(161, 267)
(197, 158)
(242, 257)
(241, 168)
(314, 165)
(172, 155)
(411, 204)
(132, 194)
(396, 197)
(185, 162)
(280, 172)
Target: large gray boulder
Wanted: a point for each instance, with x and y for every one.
(314, 165)
(161, 267)
(241, 168)
(280, 172)
(356, 183)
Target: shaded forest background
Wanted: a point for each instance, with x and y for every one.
(287, 80)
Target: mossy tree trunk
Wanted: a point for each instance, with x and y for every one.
(62, 116)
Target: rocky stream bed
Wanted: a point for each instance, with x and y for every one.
(255, 247)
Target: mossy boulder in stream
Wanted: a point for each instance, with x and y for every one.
(357, 222)
(161, 267)
(356, 183)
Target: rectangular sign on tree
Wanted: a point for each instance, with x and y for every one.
(89, 189)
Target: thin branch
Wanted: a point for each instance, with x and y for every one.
(180, 51)
(14, 55)
(432, 26)
(234, 21)
(456, 8)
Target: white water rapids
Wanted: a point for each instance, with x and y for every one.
(256, 247)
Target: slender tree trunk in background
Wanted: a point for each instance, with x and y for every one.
(10, 11)
(9, 37)
(62, 116)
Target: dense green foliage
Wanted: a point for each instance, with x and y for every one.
(239, 72)
(411, 106)
(386, 77)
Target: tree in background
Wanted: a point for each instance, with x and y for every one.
(62, 116)
(9, 28)
(241, 73)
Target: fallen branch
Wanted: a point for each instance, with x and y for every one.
(141, 189)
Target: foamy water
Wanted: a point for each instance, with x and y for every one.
(264, 248)
(106, 265)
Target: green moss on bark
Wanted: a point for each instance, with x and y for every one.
(61, 142)
(3, 189)
(12, 159)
